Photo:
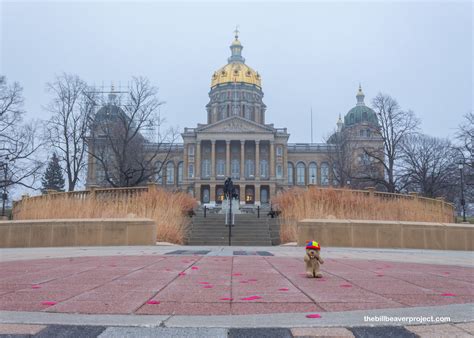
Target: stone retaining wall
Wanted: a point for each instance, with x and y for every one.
(77, 232)
(387, 234)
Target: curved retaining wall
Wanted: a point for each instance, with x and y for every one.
(387, 234)
(77, 232)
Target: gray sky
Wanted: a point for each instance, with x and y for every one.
(309, 54)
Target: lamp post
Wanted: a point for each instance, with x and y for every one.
(463, 202)
(4, 192)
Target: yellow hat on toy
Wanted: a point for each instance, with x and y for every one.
(313, 245)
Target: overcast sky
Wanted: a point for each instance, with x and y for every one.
(309, 54)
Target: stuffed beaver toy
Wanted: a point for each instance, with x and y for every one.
(313, 259)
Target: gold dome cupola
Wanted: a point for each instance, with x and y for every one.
(236, 71)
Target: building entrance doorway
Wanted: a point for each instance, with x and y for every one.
(249, 194)
(219, 194)
(264, 195)
(205, 194)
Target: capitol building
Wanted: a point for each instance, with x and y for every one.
(238, 142)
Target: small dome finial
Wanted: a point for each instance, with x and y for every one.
(112, 94)
(360, 96)
(236, 31)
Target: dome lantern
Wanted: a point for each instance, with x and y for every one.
(236, 48)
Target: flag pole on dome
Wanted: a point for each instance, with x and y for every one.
(311, 125)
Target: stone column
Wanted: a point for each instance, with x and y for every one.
(242, 160)
(197, 163)
(185, 163)
(197, 192)
(285, 164)
(227, 158)
(272, 160)
(257, 160)
(257, 194)
(212, 193)
(213, 159)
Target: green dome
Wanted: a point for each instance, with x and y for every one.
(360, 113)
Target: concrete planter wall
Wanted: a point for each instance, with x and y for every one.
(77, 232)
(387, 234)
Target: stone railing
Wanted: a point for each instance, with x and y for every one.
(94, 192)
(386, 234)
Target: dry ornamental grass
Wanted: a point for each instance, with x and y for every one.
(167, 209)
(320, 203)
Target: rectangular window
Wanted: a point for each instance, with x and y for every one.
(279, 151)
(191, 170)
(279, 171)
(191, 150)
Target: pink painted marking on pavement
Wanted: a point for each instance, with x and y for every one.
(313, 315)
(207, 286)
(226, 298)
(251, 298)
(448, 295)
(36, 286)
(48, 302)
(345, 285)
(153, 302)
(194, 268)
(283, 289)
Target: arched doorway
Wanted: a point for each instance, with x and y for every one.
(219, 194)
(205, 194)
(264, 195)
(249, 194)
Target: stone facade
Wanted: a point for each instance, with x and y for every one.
(237, 142)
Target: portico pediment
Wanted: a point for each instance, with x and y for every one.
(235, 124)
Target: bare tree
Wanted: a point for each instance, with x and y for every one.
(394, 125)
(428, 166)
(18, 140)
(68, 126)
(465, 136)
(341, 157)
(126, 141)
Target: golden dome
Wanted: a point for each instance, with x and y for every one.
(236, 72)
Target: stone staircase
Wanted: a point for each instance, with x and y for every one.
(248, 230)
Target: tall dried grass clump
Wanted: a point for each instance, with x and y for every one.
(320, 203)
(167, 209)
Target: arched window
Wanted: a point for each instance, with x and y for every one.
(324, 174)
(170, 173)
(290, 173)
(180, 172)
(313, 173)
(220, 167)
(300, 173)
(159, 172)
(264, 168)
(206, 168)
(335, 175)
(249, 168)
(235, 168)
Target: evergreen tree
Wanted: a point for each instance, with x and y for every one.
(53, 177)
